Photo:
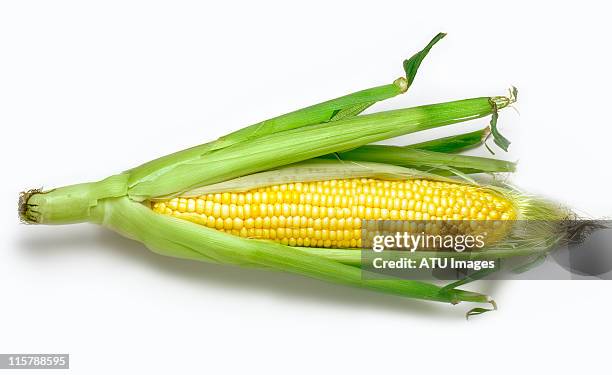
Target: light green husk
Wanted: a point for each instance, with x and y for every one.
(180, 173)
(344, 107)
(178, 238)
(454, 143)
(435, 162)
(307, 171)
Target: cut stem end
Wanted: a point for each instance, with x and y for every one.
(27, 212)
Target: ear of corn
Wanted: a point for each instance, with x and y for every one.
(163, 203)
(118, 208)
(330, 213)
(322, 204)
(180, 238)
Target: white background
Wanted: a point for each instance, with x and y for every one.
(88, 89)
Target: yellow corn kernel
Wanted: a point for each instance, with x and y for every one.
(330, 213)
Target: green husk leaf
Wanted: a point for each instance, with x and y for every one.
(337, 109)
(344, 107)
(477, 311)
(424, 159)
(315, 114)
(454, 143)
(411, 66)
(291, 146)
(351, 111)
(499, 139)
(472, 277)
(466, 141)
(179, 238)
(307, 171)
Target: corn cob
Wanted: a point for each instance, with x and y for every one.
(329, 213)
